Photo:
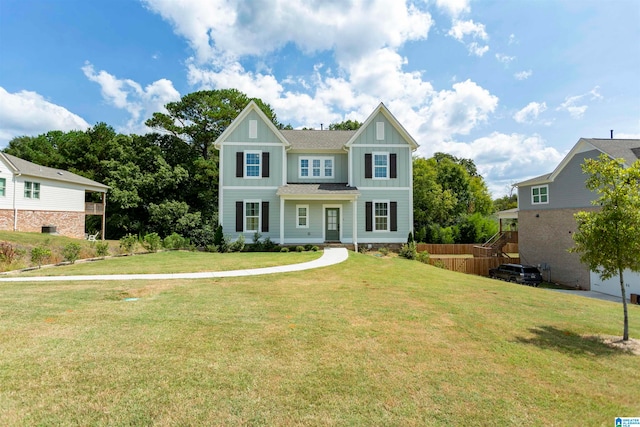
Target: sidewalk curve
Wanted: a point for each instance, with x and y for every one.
(330, 256)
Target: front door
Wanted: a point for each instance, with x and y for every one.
(332, 221)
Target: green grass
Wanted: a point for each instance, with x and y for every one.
(372, 341)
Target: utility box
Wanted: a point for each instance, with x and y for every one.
(635, 299)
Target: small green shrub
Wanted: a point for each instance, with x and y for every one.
(439, 264)
(284, 249)
(423, 257)
(315, 248)
(71, 252)
(102, 249)
(307, 247)
(269, 245)
(8, 253)
(151, 242)
(175, 241)
(384, 251)
(218, 237)
(363, 249)
(212, 248)
(299, 248)
(39, 255)
(238, 245)
(408, 251)
(128, 243)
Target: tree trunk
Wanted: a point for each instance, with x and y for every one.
(625, 334)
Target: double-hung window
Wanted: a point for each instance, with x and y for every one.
(31, 190)
(380, 165)
(3, 187)
(302, 216)
(316, 167)
(252, 164)
(381, 216)
(540, 195)
(252, 216)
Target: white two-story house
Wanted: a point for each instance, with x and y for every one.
(316, 186)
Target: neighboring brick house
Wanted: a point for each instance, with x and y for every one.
(316, 186)
(37, 198)
(546, 223)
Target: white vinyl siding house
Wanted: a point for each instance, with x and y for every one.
(307, 186)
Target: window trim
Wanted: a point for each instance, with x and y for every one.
(298, 216)
(31, 190)
(3, 187)
(373, 164)
(310, 167)
(387, 216)
(539, 195)
(244, 215)
(247, 165)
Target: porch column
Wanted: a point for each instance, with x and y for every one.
(355, 224)
(281, 221)
(104, 215)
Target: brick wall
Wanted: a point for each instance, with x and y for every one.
(69, 224)
(546, 239)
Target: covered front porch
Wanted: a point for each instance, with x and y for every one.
(318, 214)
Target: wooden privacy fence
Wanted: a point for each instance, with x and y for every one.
(440, 249)
(477, 266)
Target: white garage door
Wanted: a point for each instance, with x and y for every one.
(612, 286)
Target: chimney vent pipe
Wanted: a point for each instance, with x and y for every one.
(611, 133)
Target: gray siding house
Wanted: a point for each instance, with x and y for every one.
(316, 187)
(546, 224)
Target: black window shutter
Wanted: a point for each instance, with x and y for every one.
(239, 216)
(367, 166)
(394, 216)
(369, 216)
(239, 164)
(393, 169)
(265, 164)
(265, 217)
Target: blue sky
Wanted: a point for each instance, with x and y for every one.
(511, 84)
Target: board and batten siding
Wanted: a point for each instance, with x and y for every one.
(229, 169)
(241, 133)
(568, 190)
(403, 216)
(340, 168)
(261, 194)
(315, 232)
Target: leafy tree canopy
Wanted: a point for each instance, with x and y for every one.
(346, 125)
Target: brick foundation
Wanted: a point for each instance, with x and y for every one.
(69, 224)
(546, 239)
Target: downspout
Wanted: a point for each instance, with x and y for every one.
(220, 184)
(15, 207)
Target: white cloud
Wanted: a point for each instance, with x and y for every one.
(454, 7)
(530, 113)
(513, 39)
(220, 31)
(503, 159)
(463, 30)
(523, 75)
(29, 113)
(571, 103)
(130, 96)
(505, 59)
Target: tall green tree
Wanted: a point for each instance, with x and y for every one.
(608, 238)
(200, 117)
(346, 125)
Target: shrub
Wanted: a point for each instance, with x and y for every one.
(218, 236)
(71, 252)
(257, 244)
(315, 248)
(269, 245)
(238, 245)
(39, 255)
(299, 248)
(410, 237)
(175, 241)
(439, 264)
(408, 250)
(423, 257)
(102, 249)
(8, 253)
(307, 247)
(201, 237)
(151, 242)
(384, 251)
(128, 243)
(363, 249)
(284, 249)
(212, 248)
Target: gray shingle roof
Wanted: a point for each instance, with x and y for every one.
(31, 169)
(317, 189)
(317, 139)
(627, 149)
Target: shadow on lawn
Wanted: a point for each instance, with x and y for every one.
(550, 337)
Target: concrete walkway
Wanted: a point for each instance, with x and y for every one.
(590, 294)
(330, 256)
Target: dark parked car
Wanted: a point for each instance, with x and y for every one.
(518, 273)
